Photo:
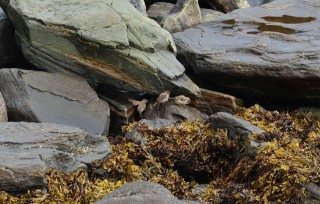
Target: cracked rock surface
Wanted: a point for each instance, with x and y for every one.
(105, 41)
(35, 96)
(27, 150)
(270, 51)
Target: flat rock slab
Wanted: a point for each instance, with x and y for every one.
(105, 41)
(34, 96)
(27, 150)
(3, 110)
(268, 51)
(142, 192)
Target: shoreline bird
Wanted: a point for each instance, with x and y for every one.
(181, 100)
(141, 105)
(163, 98)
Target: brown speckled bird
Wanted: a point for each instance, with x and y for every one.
(163, 98)
(141, 105)
(181, 100)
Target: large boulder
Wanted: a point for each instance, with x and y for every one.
(268, 51)
(27, 150)
(3, 110)
(36, 96)
(105, 41)
(142, 192)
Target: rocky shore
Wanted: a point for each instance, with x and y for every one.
(134, 101)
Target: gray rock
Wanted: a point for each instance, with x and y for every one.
(238, 129)
(27, 150)
(211, 102)
(3, 110)
(140, 6)
(142, 192)
(185, 14)
(173, 112)
(8, 49)
(53, 98)
(157, 123)
(313, 191)
(267, 51)
(136, 137)
(113, 44)
(228, 5)
(159, 10)
(209, 14)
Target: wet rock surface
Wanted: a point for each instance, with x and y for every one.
(114, 44)
(142, 192)
(27, 150)
(185, 14)
(3, 110)
(271, 51)
(53, 98)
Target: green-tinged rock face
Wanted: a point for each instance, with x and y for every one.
(103, 40)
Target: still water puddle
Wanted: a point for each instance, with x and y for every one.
(288, 19)
(229, 21)
(275, 28)
(263, 27)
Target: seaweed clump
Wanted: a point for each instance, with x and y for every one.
(191, 154)
(66, 188)
(289, 159)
